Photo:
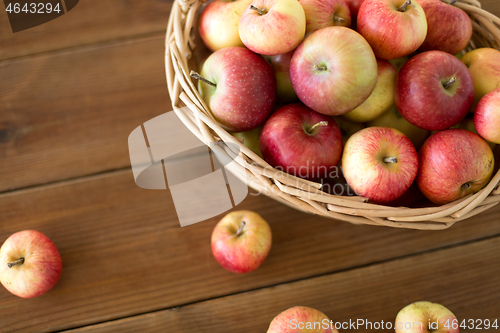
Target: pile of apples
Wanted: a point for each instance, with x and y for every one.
(380, 88)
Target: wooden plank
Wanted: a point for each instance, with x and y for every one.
(464, 279)
(124, 252)
(91, 21)
(69, 114)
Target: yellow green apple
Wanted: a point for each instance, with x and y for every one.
(251, 139)
(484, 67)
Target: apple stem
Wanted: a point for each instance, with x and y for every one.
(338, 19)
(258, 10)
(403, 6)
(197, 76)
(240, 230)
(446, 85)
(466, 186)
(313, 127)
(16, 262)
(390, 160)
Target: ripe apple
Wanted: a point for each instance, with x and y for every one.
(241, 241)
(468, 124)
(449, 28)
(382, 97)
(354, 6)
(392, 118)
(453, 164)
(347, 127)
(333, 70)
(484, 67)
(423, 317)
(394, 28)
(325, 13)
(434, 90)
(238, 86)
(281, 66)
(219, 23)
(301, 319)
(301, 142)
(487, 117)
(30, 264)
(379, 163)
(251, 139)
(272, 27)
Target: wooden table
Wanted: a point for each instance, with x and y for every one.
(71, 92)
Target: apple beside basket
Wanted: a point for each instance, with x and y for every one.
(185, 51)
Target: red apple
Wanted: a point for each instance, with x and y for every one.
(468, 124)
(241, 241)
(423, 317)
(301, 142)
(219, 23)
(281, 66)
(325, 13)
(379, 163)
(434, 90)
(449, 28)
(239, 87)
(453, 164)
(333, 70)
(301, 319)
(30, 264)
(271, 27)
(487, 117)
(354, 6)
(394, 28)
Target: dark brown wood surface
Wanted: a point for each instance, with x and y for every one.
(72, 91)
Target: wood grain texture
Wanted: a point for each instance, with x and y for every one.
(124, 252)
(464, 279)
(69, 114)
(91, 21)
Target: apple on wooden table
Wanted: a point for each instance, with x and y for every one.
(301, 319)
(325, 13)
(238, 86)
(434, 90)
(379, 163)
(241, 241)
(272, 27)
(333, 70)
(453, 164)
(30, 264)
(394, 28)
(301, 142)
(219, 23)
(423, 317)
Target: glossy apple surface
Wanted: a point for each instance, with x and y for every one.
(281, 66)
(393, 28)
(241, 241)
(272, 27)
(245, 88)
(484, 67)
(301, 142)
(487, 117)
(468, 124)
(30, 264)
(392, 118)
(219, 23)
(301, 319)
(424, 317)
(379, 163)
(453, 164)
(434, 90)
(382, 97)
(325, 13)
(333, 70)
(449, 28)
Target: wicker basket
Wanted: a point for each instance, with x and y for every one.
(301, 194)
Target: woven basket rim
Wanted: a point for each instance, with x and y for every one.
(296, 192)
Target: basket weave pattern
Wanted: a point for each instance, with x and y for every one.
(296, 192)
